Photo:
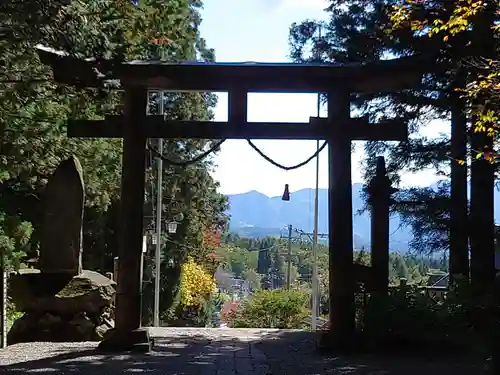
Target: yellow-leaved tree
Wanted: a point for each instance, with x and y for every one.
(196, 285)
(452, 18)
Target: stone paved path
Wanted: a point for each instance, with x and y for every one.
(194, 351)
(291, 352)
(177, 351)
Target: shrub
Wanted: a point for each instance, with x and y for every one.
(228, 311)
(279, 308)
(415, 321)
(12, 314)
(197, 301)
(196, 286)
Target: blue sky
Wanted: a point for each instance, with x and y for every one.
(257, 30)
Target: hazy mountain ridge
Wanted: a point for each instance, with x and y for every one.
(254, 214)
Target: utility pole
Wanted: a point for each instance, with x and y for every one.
(313, 237)
(159, 209)
(315, 281)
(289, 265)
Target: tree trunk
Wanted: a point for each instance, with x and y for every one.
(482, 223)
(459, 241)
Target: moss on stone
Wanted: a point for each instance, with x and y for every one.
(75, 288)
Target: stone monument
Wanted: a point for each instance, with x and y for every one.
(61, 232)
(60, 301)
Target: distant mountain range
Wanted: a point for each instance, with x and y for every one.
(254, 214)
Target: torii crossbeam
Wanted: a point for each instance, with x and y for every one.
(238, 79)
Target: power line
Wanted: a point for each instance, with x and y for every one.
(188, 247)
(310, 235)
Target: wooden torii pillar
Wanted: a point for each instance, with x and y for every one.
(339, 129)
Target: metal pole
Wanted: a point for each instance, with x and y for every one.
(315, 281)
(144, 249)
(159, 208)
(289, 266)
(3, 285)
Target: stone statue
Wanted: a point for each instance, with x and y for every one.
(61, 231)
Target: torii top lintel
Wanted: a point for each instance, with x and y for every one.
(382, 76)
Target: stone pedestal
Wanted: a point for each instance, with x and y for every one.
(59, 307)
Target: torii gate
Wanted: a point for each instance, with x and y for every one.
(338, 81)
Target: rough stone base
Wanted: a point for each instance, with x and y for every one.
(53, 327)
(61, 293)
(61, 307)
(125, 341)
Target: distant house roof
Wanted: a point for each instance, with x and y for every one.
(441, 280)
(438, 280)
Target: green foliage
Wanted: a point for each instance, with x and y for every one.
(417, 322)
(209, 311)
(236, 259)
(279, 308)
(12, 314)
(277, 272)
(14, 239)
(253, 278)
(410, 268)
(265, 250)
(413, 268)
(427, 212)
(462, 23)
(203, 315)
(356, 31)
(34, 111)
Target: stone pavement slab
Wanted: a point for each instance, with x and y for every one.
(292, 352)
(177, 351)
(218, 351)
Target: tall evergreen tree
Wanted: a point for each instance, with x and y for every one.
(277, 272)
(473, 24)
(34, 112)
(263, 261)
(357, 32)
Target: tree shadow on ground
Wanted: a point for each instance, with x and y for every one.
(288, 352)
(299, 348)
(177, 355)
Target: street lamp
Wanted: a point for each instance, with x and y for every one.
(172, 227)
